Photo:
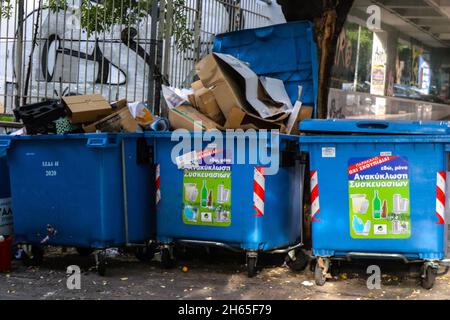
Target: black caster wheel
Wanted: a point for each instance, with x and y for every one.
(167, 261)
(102, 264)
(428, 277)
(34, 258)
(145, 254)
(251, 266)
(84, 252)
(297, 262)
(319, 275)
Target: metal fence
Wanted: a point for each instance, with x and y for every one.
(47, 53)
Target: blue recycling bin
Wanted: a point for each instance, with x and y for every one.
(294, 48)
(221, 201)
(377, 191)
(5, 197)
(90, 191)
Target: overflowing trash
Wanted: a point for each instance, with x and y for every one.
(230, 95)
(87, 114)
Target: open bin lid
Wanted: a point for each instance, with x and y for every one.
(375, 127)
(284, 51)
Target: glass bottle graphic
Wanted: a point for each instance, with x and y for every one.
(204, 199)
(384, 210)
(209, 203)
(376, 206)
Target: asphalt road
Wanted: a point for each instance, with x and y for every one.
(220, 275)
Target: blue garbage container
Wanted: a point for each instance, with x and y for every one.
(377, 191)
(90, 191)
(6, 223)
(227, 203)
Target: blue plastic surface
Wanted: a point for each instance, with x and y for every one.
(284, 51)
(279, 227)
(4, 176)
(426, 155)
(74, 183)
(376, 126)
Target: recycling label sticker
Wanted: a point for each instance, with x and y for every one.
(207, 190)
(379, 201)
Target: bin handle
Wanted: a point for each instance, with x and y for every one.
(101, 142)
(5, 144)
(372, 125)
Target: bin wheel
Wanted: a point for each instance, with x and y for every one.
(320, 276)
(251, 266)
(167, 261)
(301, 260)
(34, 259)
(429, 277)
(101, 264)
(84, 252)
(145, 254)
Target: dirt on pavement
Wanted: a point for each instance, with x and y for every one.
(217, 275)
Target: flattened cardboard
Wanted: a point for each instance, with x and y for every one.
(238, 119)
(187, 117)
(86, 108)
(119, 121)
(235, 85)
(277, 92)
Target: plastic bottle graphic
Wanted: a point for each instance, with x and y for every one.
(384, 210)
(204, 200)
(376, 206)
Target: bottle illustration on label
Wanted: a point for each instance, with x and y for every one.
(209, 203)
(384, 210)
(376, 206)
(204, 200)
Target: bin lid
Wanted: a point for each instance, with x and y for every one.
(376, 127)
(294, 48)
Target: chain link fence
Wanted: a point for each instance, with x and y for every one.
(47, 53)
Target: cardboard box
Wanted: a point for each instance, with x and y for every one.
(299, 113)
(197, 85)
(87, 108)
(119, 121)
(187, 117)
(235, 85)
(207, 104)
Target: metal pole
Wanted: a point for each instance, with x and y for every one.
(125, 191)
(153, 44)
(197, 28)
(19, 53)
(355, 81)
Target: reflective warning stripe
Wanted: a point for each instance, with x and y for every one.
(315, 206)
(158, 183)
(259, 184)
(440, 197)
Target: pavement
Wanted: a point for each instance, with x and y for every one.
(217, 275)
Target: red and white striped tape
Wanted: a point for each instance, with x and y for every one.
(158, 183)
(315, 206)
(440, 196)
(259, 186)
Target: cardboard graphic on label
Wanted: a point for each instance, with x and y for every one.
(379, 203)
